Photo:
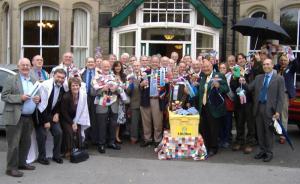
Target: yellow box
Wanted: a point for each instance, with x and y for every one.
(184, 126)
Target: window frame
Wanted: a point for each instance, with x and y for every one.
(40, 46)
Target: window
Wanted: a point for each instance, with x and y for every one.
(127, 43)
(161, 34)
(204, 43)
(80, 36)
(40, 33)
(166, 11)
(253, 40)
(131, 19)
(289, 20)
(201, 20)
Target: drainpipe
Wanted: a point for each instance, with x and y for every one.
(234, 4)
(110, 41)
(225, 17)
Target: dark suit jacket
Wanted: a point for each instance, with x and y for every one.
(47, 115)
(275, 94)
(216, 111)
(145, 95)
(83, 75)
(288, 75)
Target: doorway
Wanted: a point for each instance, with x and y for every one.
(165, 49)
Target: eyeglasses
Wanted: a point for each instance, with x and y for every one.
(25, 65)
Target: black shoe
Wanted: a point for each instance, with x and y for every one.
(145, 143)
(268, 157)
(211, 154)
(14, 173)
(114, 146)
(260, 155)
(156, 144)
(43, 161)
(27, 167)
(101, 149)
(58, 160)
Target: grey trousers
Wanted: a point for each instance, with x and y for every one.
(19, 141)
(265, 134)
(135, 124)
(106, 121)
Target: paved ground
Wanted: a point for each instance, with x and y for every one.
(140, 165)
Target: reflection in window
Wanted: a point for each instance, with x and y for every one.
(253, 39)
(204, 43)
(166, 11)
(80, 39)
(162, 34)
(127, 43)
(40, 31)
(289, 22)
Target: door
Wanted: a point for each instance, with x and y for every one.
(165, 49)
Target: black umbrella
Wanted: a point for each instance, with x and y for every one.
(260, 28)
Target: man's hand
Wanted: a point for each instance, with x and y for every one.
(55, 118)
(276, 115)
(144, 83)
(47, 125)
(36, 99)
(216, 84)
(242, 80)
(257, 57)
(74, 127)
(105, 88)
(25, 97)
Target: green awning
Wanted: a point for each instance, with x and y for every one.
(213, 19)
(123, 14)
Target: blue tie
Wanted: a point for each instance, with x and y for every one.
(88, 82)
(264, 89)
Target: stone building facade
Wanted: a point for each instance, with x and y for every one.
(52, 27)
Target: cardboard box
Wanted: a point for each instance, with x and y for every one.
(184, 126)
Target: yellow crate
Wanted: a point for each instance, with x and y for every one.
(184, 126)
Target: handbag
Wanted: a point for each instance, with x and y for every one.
(229, 104)
(78, 154)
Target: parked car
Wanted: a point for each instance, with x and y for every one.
(5, 71)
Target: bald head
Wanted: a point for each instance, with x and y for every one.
(164, 62)
(105, 67)
(38, 62)
(24, 66)
(68, 58)
(207, 67)
(196, 66)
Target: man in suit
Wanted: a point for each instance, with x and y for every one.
(107, 112)
(18, 110)
(87, 76)
(37, 70)
(268, 92)
(212, 88)
(287, 70)
(153, 103)
(49, 111)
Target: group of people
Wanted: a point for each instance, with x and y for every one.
(90, 105)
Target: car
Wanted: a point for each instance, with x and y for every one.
(5, 71)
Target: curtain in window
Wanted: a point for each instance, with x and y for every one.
(33, 14)
(80, 37)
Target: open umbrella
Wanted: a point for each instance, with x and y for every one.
(260, 28)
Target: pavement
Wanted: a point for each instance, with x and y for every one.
(138, 165)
